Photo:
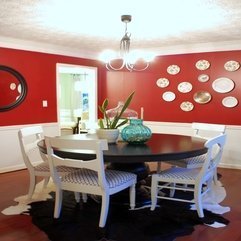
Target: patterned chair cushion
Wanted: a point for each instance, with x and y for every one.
(44, 167)
(192, 162)
(89, 177)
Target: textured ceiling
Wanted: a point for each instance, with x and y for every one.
(94, 25)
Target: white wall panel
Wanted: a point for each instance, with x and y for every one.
(11, 158)
(10, 153)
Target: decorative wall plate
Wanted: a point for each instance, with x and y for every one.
(231, 65)
(162, 82)
(202, 64)
(168, 96)
(202, 97)
(203, 78)
(186, 106)
(184, 87)
(229, 101)
(223, 85)
(173, 69)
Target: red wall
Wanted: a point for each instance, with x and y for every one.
(148, 95)
(39, 71)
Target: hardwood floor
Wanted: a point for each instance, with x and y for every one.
(20, 227)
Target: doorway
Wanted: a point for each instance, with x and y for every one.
(76, 95)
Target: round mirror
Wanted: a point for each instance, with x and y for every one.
(13, 88)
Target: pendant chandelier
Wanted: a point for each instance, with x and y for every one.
(131, 60)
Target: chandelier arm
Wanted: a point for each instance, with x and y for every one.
(136, 69)
(109, 66)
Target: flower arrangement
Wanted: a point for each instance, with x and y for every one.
(113, 122)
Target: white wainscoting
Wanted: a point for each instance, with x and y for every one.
(11, 157)
(232, 151)
(10, 153)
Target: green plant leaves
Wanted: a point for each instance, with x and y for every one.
(112, 123)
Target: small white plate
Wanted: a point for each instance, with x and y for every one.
(231, 65)
(173, 69)
(184, 87)
(203, 78)
(186, 106)
(229, 101)
(202, 64)
(168, 96)
(223, 85)
(162, 82)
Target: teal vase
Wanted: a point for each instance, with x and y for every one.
(136, 132)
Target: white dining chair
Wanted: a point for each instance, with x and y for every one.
(196, 180)
(36, 161)
(205, 131)
(91, 176)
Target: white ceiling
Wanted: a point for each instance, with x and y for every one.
(90, 26)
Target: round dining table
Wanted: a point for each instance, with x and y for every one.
(135, 157)
(160, 147)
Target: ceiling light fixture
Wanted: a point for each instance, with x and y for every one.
(131, 60)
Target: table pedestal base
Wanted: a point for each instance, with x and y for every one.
(142, 193)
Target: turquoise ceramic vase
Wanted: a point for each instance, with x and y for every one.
(136, 132)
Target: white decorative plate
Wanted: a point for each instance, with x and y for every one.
(162, 82)
(229, 101)
(168, 96)
(202, 97)
(173, 69)
(184, 87)
(202, 64)
(186, 106)
(223, 85)
(231, 65)
(203, 77)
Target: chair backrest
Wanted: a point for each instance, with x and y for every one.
(215, 147)
(88, 146)
(207, 130)
(28, 139)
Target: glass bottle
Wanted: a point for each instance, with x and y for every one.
(136, 132)
(78, 126)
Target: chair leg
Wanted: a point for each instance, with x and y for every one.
(104, 209)
(46, 181)
(84, 197)
(32, 184)
(132, 193)
(215, 177)
(198, 200)
(158, 168)
(77, 197)
(153, 192)
(172, 191)
(58, 202)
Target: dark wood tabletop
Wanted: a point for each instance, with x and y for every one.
(161, 147)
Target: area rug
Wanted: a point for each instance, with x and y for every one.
(79, 222)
